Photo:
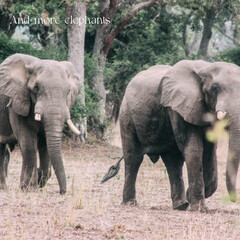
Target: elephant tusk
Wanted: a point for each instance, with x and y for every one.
(221, 115)
(9, 103)
(72, 127)
(38, 117)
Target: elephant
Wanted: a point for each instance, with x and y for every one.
(165, 112)
(35, 101)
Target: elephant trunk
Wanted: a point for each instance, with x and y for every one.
(233, 161)
(53, 130)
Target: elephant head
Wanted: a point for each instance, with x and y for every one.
(45, 91)
(193, 88)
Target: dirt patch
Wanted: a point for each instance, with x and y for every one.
(90, 210)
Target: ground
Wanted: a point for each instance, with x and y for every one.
(90, 210)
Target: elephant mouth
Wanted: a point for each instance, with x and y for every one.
(70, 124)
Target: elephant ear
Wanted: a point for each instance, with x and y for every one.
(74, 83)
(181, 90)
(13, 84)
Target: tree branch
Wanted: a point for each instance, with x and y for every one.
(113, 8)
(138, 23)
(122, 23)
(105, 4)
(224, 34)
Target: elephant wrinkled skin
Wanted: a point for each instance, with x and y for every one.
(162, 115)
(35, 101)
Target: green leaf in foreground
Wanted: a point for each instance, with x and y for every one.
(218, 131)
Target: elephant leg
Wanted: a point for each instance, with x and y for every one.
(3, 152)
(189, 139)
(28, 180)
(27, 139)
(44, 171)
(193, 154)
(133, 158)
(6, 161)
(132, 164)
(210, 174)
(174, 163)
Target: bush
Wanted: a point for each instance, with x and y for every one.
(10, 46)
(91, 107)
(231, 55)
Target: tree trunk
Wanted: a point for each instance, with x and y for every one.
(207, 31)
(192, 49)
(184, 39)
(105, 36)
(76, 37)
(98, 80)
(99, 88)
(7, 24)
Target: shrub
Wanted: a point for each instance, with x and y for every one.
(231, 55)
(10, 46)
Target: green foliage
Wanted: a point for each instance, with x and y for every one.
(143, 44)
(217, 132)
(91, 98)
(91, 106)
(10, 46)
(231, 55)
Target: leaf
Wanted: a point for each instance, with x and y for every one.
(218, 131)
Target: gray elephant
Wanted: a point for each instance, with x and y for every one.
(163, 113)
(35, 101)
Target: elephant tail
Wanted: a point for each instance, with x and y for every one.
(112, 171)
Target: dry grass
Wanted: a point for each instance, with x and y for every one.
(93, 211)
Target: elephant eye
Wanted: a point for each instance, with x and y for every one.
(215, 88)
(36, 88)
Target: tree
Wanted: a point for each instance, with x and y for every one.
(207, 15)
(153, 37)
(7, 24)
(230, 12)
(195, 13)
(76, 37)
(208, 22)
(105, 35)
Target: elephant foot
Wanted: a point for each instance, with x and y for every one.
(28, 188)
(43, 178)
(132, 202)
(42, 183)
(199, 208)
(180, 206)
(3, 186)
(62, 191)
(196, 205)
(210, 189)
(233, 196)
